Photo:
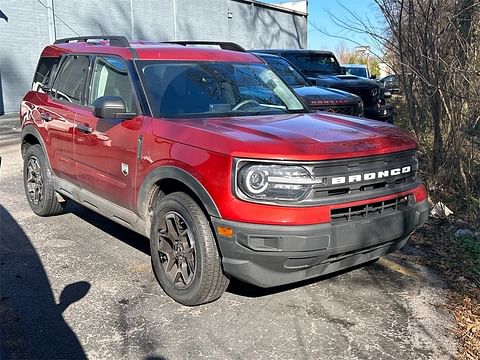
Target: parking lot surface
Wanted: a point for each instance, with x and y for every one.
(80, 286)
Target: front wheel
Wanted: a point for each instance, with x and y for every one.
(37, 181)
(184, 253)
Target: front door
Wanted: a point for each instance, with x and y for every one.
(106, 149)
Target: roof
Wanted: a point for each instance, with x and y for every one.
(148, 50)
(264, 54)
(278, 51)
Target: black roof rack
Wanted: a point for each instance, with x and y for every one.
(225, 45)
(115, 40)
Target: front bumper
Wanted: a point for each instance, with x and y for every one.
(272, 255)
(379, 112)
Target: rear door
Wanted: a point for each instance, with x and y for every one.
(106, 149)
(58, 113)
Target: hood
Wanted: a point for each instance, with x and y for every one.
(311, 136)
(344, 81)
(319, 93)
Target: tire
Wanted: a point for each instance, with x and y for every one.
(37, 181)
(184, 252)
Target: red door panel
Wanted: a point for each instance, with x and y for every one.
(59, 121)
(106, 156)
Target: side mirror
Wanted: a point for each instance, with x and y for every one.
(343, 70)
(46, 88)
(111, 107)
(373, 77)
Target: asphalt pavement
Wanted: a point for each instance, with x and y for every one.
(9, 129)
(80, 286)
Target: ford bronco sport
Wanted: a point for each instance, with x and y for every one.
(171, 142)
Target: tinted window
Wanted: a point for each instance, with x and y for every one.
(70, 82)
(110, 78)
(314, 63)
(45, 68)
(286, 71)
(357, 71)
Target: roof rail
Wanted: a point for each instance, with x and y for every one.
(115, 40)
(225, 45)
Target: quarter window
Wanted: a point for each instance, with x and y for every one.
(46, 66)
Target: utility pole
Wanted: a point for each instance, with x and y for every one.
(132, 21)
(52, 30)
(365, 51)
(174, 19)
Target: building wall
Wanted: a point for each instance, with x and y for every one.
(21, 39)
(26, 31)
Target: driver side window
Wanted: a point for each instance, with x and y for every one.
(110, 78)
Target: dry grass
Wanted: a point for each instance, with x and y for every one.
(458, 261)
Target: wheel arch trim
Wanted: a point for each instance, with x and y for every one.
(31, 130)
(177, 174)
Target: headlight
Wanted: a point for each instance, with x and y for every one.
(360, 108)
(273, 182)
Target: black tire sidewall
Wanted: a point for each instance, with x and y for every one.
(42, 208)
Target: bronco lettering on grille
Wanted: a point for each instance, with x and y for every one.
(369, 176)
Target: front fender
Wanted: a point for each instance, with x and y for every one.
(175, 173)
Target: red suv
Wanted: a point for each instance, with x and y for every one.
(213, 157)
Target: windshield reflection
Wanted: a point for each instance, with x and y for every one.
(200, 89)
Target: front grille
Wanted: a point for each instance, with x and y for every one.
(369, 210)
(332, 191)
(345, 109)
(365, 94)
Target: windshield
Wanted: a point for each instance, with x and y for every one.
(286, 71)
(207, 89)
(314, 63)
(357, 71)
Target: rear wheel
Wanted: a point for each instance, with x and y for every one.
(37, 181)
(184, 253)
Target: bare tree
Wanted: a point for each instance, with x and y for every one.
(434, 48)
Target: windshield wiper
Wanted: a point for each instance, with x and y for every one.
(298, 111)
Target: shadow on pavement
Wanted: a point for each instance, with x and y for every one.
(32, 325)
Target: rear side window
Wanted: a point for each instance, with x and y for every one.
(70, 83)
(46, 67)
(286, 71)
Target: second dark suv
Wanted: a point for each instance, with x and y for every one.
(316, 97)
(323, 68)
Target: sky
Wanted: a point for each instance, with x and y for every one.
(322, 29)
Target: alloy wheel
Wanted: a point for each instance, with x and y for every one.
(176, 248)
(34, 181)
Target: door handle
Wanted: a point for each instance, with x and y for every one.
(46, 117)
(84, 128)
